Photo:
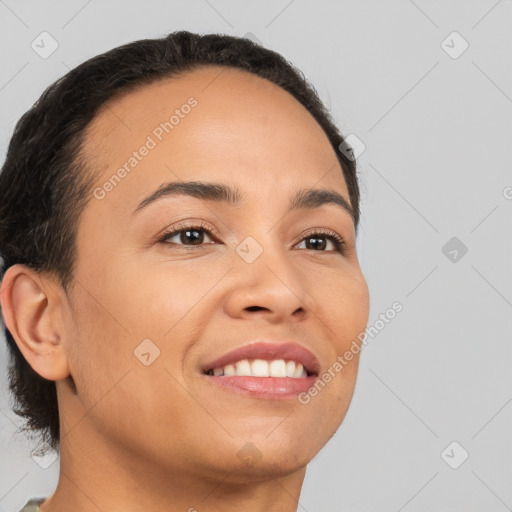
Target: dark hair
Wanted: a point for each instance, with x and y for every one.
(45, 182)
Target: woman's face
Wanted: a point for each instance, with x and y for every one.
(151, 314)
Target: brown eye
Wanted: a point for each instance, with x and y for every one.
(187, 235)
(318, 242)
(192, 236)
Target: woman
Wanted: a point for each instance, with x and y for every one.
(180, 279)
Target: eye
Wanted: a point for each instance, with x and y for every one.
(316, 241)
(187, 235)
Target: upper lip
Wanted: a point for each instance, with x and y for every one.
(268, 350)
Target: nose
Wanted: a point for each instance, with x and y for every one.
(272, 287)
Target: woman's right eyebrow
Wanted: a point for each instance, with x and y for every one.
(221, 192)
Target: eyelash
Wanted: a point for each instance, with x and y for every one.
(338, 242)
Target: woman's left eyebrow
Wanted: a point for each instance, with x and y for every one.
(220, 192)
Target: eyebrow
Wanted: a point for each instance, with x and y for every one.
(307, 198)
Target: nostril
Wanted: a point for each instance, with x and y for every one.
(254, 308)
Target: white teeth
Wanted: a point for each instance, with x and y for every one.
(243, 367)
(229, 370)
(277, 368)
(262, 368)
(298, 371)
(259, 368)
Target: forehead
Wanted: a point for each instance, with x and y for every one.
(211, 121)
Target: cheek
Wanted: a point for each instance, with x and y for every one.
(159, 298)
(348, 308)
(101, 350)
(111, 382)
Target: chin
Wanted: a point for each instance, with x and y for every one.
(277, 456)
(269, 466)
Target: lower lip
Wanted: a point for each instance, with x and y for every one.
(269, 388)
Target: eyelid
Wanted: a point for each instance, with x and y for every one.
(322, 231)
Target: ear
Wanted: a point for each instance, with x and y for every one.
(33, 313)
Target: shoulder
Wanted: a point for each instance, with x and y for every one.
(32, 505)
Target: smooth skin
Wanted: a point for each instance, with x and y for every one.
(161, 437)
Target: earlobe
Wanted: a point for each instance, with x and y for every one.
(30, 310)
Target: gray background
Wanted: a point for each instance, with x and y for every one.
(437, 131)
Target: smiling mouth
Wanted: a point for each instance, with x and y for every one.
(275, 368)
